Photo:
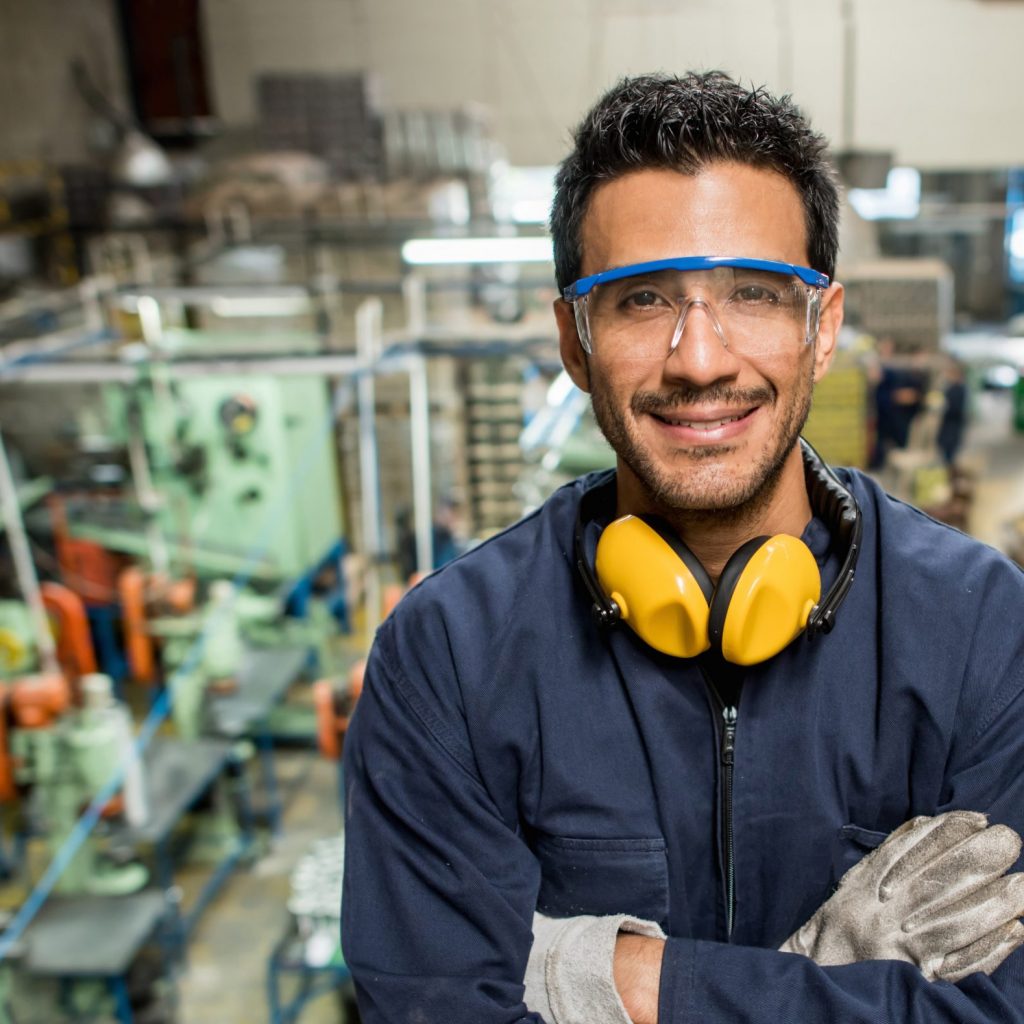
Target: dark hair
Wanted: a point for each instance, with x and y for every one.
(662, 121)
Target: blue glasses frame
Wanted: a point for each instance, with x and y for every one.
(584, 285)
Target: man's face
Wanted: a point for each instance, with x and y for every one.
(703, 428)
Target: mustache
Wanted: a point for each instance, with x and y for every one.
(661, 403)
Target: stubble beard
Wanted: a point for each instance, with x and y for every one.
(688, 494)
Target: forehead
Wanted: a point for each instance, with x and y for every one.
(726, 210)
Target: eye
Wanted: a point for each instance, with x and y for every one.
(643, 298)
(756, 294)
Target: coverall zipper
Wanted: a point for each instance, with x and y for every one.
(729, 715)
(727, 756)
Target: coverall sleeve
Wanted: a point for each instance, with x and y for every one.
(715, 983)
(439, 890)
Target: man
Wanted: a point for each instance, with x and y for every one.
(525, 775)
(899, 396)
(954, 411)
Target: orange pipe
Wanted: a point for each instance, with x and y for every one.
(131, 588)
(391, 595)
(38, 701)
(334, 708)
(75, 651)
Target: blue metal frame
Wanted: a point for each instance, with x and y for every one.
(313, 982)
(117, 989)
(300, 591)
(105, 634)
(182, 923)
(583, 286)
(265, 749)
(118, 986)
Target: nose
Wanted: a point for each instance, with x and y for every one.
(700, 350)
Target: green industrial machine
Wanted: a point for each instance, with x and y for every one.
(67, 764)
(233, 467)
(194, 666)
(202, 652)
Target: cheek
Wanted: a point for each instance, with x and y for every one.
(624, 378)
(791, 377)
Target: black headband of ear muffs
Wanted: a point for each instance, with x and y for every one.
(830, 501)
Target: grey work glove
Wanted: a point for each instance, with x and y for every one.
(569, 976)
(935, 893)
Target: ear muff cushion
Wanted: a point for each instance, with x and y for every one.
(658, 595)
(765, 595)
(727, 584)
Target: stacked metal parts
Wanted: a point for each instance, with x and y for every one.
(910, 301)
(315, 900)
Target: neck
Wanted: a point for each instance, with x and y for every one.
(713, 535)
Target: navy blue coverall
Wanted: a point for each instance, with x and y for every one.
(508, 755)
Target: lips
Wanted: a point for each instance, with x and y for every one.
(704, 424)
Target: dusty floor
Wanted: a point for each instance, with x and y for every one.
(225, 980)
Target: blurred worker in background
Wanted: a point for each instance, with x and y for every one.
(612, 764)
(954, 412)
(899, 397)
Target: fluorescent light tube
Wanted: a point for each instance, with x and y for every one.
(425, 251)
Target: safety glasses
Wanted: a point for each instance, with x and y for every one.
(754, 306)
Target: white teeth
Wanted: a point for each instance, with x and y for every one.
(704, 424)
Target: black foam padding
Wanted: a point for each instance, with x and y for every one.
(731, 573)
(833, 503)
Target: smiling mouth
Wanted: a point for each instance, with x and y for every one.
(702, 424)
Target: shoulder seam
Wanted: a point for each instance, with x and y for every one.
(1001, 700)
(420, 707)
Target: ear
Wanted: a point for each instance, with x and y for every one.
(828, 329)
(574, 359)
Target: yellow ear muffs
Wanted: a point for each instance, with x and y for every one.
(661, 589)
(764, 597)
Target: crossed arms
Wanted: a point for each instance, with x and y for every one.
(934, 894)
(438, 919)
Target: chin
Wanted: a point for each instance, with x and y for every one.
(709, 480)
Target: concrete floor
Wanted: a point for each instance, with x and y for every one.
(225, 979)
(996, 453)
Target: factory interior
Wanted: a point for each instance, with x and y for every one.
(276, 341)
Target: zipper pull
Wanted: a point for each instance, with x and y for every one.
(729, 735)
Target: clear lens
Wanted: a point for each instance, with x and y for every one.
(753, 312)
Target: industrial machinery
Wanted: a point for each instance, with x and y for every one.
(60, 757)
(237, 475)
(202, 655)
(16, 648)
